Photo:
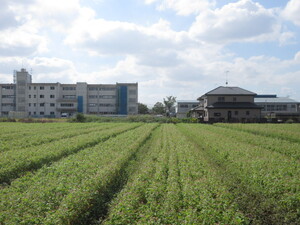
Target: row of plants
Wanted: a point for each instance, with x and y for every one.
(281, 145)
(173, 185)
(72, 189)
(265, 184)
(17, 162)
(289, 132)
(46, 135)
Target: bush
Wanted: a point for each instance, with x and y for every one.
(80, 118)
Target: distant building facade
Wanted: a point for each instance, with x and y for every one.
(230, 104)
(282, 108)
(184, 106)
(55, 99)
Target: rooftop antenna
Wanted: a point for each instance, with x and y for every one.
(227, 71)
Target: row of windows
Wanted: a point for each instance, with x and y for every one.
(67, 105)
(8, 96)
(187, 106)
(41, 113)
(41, 96)
(102, 96)
(8, 87)
(8, 104)
(40, 104)
(102, 89)
(40, 87)
(236, 113)
(69, 96)
(101, 105)
(69, 88)
(276, 107)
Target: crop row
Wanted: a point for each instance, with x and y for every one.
(280, 145)
(173, 185)
(68, 191)
(45, 136)
(265, 183)
(289, 132)
(15, 163)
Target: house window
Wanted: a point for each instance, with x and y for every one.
(234, 99)
(183, 106)
(236, 113)
(247, 113)
(42, 96)
(217, 114)
(221, 99)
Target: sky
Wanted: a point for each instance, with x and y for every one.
(181, 48)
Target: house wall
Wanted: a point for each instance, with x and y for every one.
(229, 98)
(222, 115)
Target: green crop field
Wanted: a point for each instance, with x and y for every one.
(137, 173)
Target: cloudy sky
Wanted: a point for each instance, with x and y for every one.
(181, 48)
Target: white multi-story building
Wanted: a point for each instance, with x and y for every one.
(55, 99)
(184, 106)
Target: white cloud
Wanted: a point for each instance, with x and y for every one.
(183, 7)
(244, 20)
(292, 11)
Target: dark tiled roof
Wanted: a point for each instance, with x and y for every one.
(234, 105)
(229, 91)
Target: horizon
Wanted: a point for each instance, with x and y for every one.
(180, 48)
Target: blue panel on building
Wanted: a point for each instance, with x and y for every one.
(122, 99)
(80, 104)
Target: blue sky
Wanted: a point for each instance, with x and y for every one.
(170, 47)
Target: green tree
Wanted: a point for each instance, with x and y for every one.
(159, 108)
(142, 108)
(169, 102)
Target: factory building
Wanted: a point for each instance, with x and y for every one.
(56, 99)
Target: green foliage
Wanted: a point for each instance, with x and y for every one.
(80, 118)
(159, 108)
(142, 108)
(149, 173)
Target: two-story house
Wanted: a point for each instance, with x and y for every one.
(231, 104)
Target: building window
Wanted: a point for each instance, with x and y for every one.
(132, 109)
(67, 105)
(108, 89)
(8, 96)
(52, 88)
(42, 113)
(42, 96)
(34, 113)
(52, 104)
(247, 113)
(132, 100)
(29, 87)
(93, 96)
(221, 99)
(194, 106)
(93, 89)
(42, 104)
(52, 96)
(29, 104)
(234, 99)
(183, 105)
(8, 104)
(42, 87)
(34, 104)
(29, 96)
(7, 87)
(34, 96)
(34, 88)
(132, 92)
(217, 114)
(29, 113)
(69, 88)
(107, 96)
(52, 113)
(92, 105)
(69, 96)
(236, 113)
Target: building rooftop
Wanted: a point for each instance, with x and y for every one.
(229, 91)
